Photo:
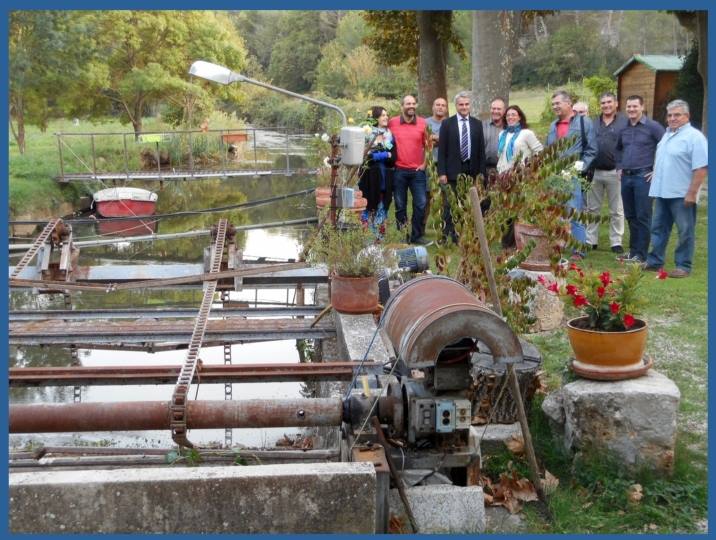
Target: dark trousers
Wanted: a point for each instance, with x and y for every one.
(637, 211)
(403, 180)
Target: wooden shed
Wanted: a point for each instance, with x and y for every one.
(651, 76)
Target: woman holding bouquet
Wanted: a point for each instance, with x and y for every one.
(376, 179)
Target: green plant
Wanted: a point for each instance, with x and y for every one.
(609, 303)
(351, 248)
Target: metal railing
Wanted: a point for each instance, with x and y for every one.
(182, 154)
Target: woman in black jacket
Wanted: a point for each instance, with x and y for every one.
(376, 179)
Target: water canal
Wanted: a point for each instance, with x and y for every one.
(281, 243)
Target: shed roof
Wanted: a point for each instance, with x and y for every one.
(655, 62)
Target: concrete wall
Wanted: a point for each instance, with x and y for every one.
(310, 498)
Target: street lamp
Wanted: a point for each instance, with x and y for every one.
(223, 75)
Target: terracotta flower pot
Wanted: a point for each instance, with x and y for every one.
(354, 294)
(538, 259)
(608, 355)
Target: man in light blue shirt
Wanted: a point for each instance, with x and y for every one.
(680, 167)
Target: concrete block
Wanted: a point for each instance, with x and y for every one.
(307, 498)
(354, 334)
(633, 419)
(442, 508)
(492, 440)
(545, 307)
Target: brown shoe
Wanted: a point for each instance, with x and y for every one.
(678, 273)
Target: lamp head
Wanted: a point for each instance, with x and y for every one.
(214, 72)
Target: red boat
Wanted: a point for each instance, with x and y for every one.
(125, 202)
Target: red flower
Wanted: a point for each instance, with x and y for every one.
(614, 308)
(554, 287)
(541, 279)
(601, 291)
(573, 266)
(662, 274)
(571, 290)
(628, 320)
(579, 300)
(605, 278)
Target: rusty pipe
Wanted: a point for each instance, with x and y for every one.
(148, 415)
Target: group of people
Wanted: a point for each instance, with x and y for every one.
(632, 161)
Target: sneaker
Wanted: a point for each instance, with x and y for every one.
(629, 258)
(422, 241)
(617, 249)
(679, 273)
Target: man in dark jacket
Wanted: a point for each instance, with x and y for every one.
(461, 150)
(605, 181)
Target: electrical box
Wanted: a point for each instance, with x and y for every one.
(444, 416)
(463, 414)
(423, 416)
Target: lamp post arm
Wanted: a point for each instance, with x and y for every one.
(243, 78)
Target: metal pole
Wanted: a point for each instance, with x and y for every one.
(62, 164)
(150, 415)
(94, 157)
(126, 155)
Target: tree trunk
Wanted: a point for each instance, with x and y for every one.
(432, 59)
(494, 44)
(19, 133)
(697, 23)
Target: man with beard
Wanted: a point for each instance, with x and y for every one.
(410, 135)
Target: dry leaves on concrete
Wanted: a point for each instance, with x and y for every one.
(510, 492)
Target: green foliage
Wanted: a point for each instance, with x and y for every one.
(296, 52)
(184, 456)
(597, 86)
(150, 67)
(689, 87)
(350, 249)
(570, 53)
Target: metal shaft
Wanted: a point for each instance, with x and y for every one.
(150, 415)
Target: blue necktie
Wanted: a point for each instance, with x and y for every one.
(464, 151)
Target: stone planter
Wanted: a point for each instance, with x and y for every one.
(538, 258)
(354, 294)
(608, 355)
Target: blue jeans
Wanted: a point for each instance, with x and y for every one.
(579, 231)
(637, 211)
(416, 181)
(666, 213)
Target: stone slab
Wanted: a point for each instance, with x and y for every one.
(635, 419)
(492, 440)
(442, 509)
(354, 337)
(306, 498)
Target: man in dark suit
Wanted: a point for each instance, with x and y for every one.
(461, 150)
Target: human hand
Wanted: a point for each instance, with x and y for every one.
(648, 176)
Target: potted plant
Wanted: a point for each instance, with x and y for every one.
(607, 338)
(534, 194)
(354, 255)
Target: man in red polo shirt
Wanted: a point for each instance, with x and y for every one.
(410, 135)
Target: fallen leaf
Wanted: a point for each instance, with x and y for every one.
(634, 493)
(550, 482)
(515, 444)
(653, 526)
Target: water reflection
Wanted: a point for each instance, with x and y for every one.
(278, 243)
